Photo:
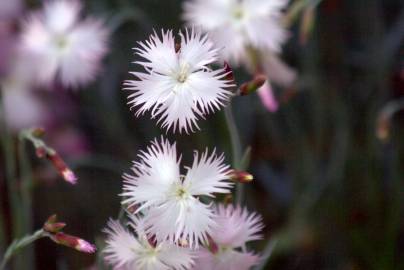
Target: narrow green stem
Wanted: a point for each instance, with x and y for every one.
(10, 167)
(19, 244)
(236, 148)
(26, 196)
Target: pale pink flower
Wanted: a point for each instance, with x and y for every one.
(10, 9)
(170, 200)
(178, 86)
(64, 46)
(235, 227)
(127, 251)
(237, 25)
(22, 108)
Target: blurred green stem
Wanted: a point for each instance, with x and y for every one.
(236, 148)
(10, 167)
(17, 245)
(26, 195)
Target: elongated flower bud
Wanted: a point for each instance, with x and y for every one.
(253, 85)
(73, 242)
(62, 168)
(241, 176)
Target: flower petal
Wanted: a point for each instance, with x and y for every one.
(153, 176)
(207, 175)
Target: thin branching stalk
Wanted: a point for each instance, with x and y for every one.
(19, 244)
(236, 148)
(10, 170)
(26, 196)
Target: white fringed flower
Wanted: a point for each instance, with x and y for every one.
(235, 227)
(237, 25)
(126, 251)
(177, 85)
(64, 46)
(170, 200)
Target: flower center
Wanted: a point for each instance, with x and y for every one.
(183, 73)
(61, 42)
(238, 13)
(181, 193)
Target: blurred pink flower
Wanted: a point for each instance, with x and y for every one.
(237, 25)
(22, 107)
(10, 9)
(235, 227)
(127, 251)
(64, 47)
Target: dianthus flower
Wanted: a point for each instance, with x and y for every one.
(127, 251)
(64, 46)
(235, 227)
(238, 25)
(171, 201)
(177, 85)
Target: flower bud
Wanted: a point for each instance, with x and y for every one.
(73, 242)
(40, 152)
(38, 132)
(383, 127)
(240, 176)
(52, 226)
(212, 246)
(253, 85)
(229, 72)
(62, 168)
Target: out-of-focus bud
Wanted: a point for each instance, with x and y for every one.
(52, 225)
(228, 199)
(40, 152)
(240, 176)
(212, 246)
(62, 168)
(229, 72)
(73, 242)
(38, 132)
(177, 47)
(383, 126)
(253, 85)
(52, 219)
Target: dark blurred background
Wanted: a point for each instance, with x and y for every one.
(328, 164)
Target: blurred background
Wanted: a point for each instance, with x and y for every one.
(328, 161)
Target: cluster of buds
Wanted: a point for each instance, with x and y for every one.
(53, 228)
(35, 135)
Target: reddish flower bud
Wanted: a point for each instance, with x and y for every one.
(62, 168)
(52, 219)
(229, 72)
(383, 127)
(177, 47)
(240, 176)
(54, 227)
(253, 85)
(212, 246)
(40, 152)
(73, 242)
